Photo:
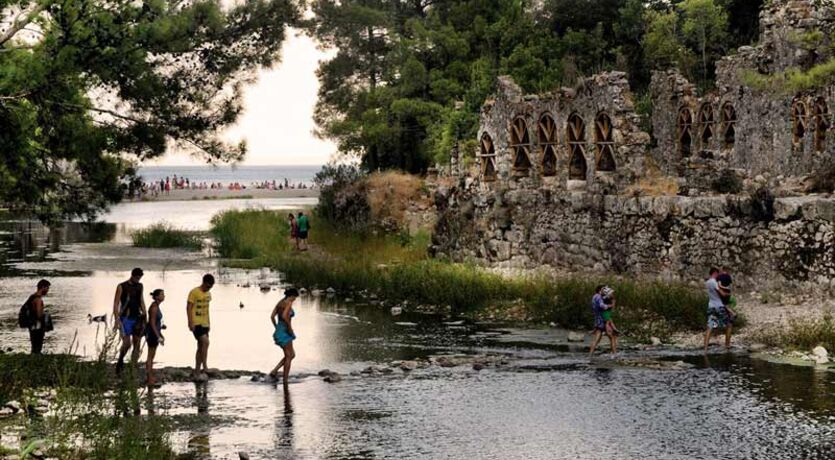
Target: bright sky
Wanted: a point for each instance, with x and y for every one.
(277, 122)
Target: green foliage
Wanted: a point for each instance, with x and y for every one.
(106, 84)
(705, 27)
(801, 334)
(793, 80)
(727, 182)
(248, 233)
(342, 196)
(163, 235)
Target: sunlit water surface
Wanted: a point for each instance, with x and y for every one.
(543, 404)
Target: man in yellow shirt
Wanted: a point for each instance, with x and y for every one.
(197, 309)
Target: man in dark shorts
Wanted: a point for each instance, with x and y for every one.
(129, 316)
(197, 308)
(37, 326)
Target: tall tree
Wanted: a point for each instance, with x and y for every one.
(706, 27)
(87, 87)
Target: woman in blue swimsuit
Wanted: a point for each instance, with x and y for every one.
(283, 336)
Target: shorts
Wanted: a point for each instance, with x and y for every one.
(607, 315)
(152, 340)
(132, 326)
(200, 331)
(718, 318)
(302, 235)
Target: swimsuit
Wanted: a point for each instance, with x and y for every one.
(281, 337)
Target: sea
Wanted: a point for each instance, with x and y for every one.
(232, 173)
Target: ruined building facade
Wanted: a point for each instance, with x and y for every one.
(558, 174)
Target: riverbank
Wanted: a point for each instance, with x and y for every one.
(226, 194)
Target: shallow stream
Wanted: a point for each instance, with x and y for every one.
(541, 399)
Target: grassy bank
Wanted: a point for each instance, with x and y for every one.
(90, 414)
(396, 269)
(164, 235)
(801, 334)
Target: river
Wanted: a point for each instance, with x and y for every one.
(541, 398)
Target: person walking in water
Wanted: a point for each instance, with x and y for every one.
(294, 230)
(284, 334)
(129, 316)
(36, 320)
(197, 308)
(717, 314)
(599, 308)
(154, 337)
(304, 227)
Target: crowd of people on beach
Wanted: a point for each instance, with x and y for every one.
(165, 186)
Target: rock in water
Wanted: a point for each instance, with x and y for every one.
(396, 311)
(243, 456)
(408, 366)
(478, 366)
(655, 341)
(325, 372)
(757, 347)
(820, 352)
(576, 336)
(14, 406)
(333, 378)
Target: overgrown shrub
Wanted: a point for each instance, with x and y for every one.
(802, 334)
(823, 179)
(164, 235)
(342, 196)
(727, 182)
(762, 205)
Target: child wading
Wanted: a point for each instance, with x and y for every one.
(153, 337)
(284, 335)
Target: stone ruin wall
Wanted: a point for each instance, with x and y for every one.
(762, 134)
(542, 212)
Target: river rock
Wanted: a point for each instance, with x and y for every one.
(330, 291)
(243, 456)
(5, 412)
(478, 366)
(333, 378)
(819, 352)
(576, 336)
(14, 406)
(396, 311)
(757, 347)
(325, 372)
(655, 341)
(408, 366)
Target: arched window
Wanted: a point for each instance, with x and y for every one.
(520, 145)
(604, 142)
(798, 121)
(547, 135)
(706, 121)
(685, 132)
(576, 136)
(728, 125)
(487, 153)
(821, 122)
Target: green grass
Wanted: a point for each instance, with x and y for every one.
(397, 269)
(801, 334)
(163, 235)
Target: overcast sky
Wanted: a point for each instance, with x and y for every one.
(278, 112)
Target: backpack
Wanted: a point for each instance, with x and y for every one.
(24, 317)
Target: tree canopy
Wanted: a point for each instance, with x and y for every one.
(409, 76)
(90, 87)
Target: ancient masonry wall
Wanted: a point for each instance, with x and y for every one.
(673, 237)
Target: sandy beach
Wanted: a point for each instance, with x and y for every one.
(226, 194)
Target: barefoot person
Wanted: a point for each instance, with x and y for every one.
(717, 314)
(154, 336)
(197, 309)
(284, 335)
(129, 313)
(598, 306)
(34, 316)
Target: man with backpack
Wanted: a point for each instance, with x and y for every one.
(33, 317)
